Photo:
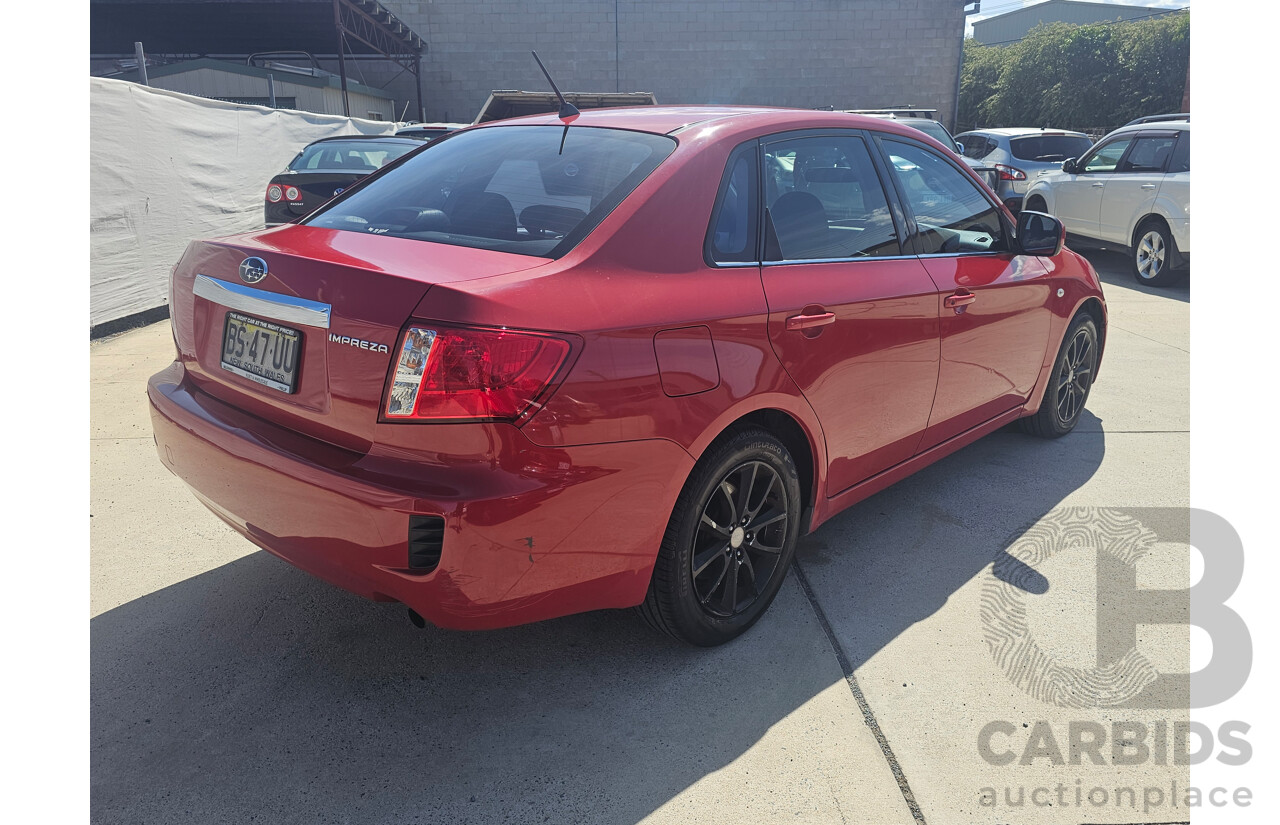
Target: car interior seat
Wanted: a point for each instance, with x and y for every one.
(483, 215)
(800, 222)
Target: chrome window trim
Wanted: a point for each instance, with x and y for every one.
(857, 260)
(263, 304)
(869, 258)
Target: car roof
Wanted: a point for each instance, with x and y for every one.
(667, 120)
(1154, 126)
(385, 138)
(413, 127)
(1024, 131)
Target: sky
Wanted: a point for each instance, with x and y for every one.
(991, 8)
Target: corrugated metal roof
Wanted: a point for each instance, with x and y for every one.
(1014, 25)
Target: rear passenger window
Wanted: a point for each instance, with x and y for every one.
(732, 237)
(951, 214)
(825, 201)
(1149, 154)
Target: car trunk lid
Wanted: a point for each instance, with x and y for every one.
(340, 298)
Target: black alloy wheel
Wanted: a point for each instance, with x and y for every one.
(739, 539)
(1069, 386)
(729, 542)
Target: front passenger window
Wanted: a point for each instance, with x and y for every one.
(952, 215)
(1107, 158)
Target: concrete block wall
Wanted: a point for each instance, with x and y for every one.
(806, 53)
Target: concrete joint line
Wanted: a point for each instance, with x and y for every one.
(868, 716)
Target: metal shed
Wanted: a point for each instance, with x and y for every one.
(292, 87)
(1013, 26)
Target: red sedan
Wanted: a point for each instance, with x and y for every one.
(542, 367)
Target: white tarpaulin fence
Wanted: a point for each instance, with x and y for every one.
(166, 168)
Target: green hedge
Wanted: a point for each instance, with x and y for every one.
(1094, 77)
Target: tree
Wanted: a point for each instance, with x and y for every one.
(1077, 77)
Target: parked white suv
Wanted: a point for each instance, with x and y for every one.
(1131, 191)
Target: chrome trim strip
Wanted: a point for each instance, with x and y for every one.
(859, 259)
(263, 304)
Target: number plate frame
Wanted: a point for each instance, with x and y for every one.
(267, 375)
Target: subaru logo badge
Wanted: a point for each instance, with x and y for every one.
(253, 270)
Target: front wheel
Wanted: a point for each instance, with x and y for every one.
(1070, 382)
(729, 542)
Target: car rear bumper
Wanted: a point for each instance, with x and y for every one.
(530, 533)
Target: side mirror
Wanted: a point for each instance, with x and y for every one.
(959, 147)
(1069, 166)
(1040, 234)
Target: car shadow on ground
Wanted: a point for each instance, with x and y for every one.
(1114, 270)
(254, 692)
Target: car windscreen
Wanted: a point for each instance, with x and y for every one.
(1049, 148)
(359, 156)
(531, 190)
(935, 130)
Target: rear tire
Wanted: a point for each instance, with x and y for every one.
(1154, 255)
(1069, 383)
(729, 542)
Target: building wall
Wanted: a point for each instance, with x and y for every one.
(1006, 28)
(806, 53)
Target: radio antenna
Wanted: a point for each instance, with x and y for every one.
(567, 109)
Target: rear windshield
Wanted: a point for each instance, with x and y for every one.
(509, 188)
(1049, 148)
(348, 156)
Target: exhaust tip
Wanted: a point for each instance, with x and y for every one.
(417, 620)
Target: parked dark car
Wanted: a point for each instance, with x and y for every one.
(628, 359)
(327, 167)
(429, 131)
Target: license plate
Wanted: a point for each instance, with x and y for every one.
(261, 351)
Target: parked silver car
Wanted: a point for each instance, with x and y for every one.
(1131, 192)
(1019, 155)
(938, 132)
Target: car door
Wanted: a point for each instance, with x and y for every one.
(1175, 192)
(852, 317)
(1131, 189)
(1078, 197)
(994, 315)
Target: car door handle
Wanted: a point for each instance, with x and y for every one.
(809, 321)
(959, 299)
(1099, 185)
(1148, 186)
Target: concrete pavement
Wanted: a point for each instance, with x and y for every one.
(229, 687)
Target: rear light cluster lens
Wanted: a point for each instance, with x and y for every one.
(1009, 173)
(277, 192)
(471, 373)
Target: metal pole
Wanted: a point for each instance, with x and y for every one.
(417, 76)
(271, 90)
(342, 60)
(142, 63)
(964, 20)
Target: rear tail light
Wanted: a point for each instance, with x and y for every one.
(1009, 173)
(472, 373)
(292, 193)
(275, 192)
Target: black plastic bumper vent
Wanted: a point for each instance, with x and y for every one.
(426, 539)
